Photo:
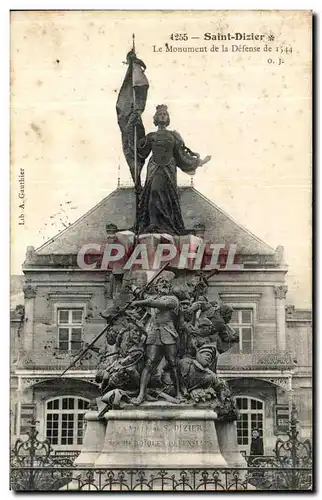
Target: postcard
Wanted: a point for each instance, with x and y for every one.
(161, 240)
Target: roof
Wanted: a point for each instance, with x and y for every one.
(119, 208)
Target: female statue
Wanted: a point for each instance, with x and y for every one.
(159, 208)
(157, 205)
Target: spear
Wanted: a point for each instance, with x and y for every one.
(135, 131)
(111, 321)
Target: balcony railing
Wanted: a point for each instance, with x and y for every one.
(42, 359)
(273, 359)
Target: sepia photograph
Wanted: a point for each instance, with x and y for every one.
(161, 250)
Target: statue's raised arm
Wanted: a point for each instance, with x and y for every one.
(187, 160)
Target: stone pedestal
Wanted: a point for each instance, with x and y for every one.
(227, 440)
(93, 440)
(158, 436)
(154, 435)
(157, 447)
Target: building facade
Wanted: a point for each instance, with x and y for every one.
(269, 368)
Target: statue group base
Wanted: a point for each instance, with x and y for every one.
(154, 435)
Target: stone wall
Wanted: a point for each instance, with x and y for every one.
(299, 340)
(65, 289)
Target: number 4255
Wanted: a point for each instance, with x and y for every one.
(179, 36)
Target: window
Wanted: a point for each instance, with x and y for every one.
(70, 329)
(65, 420)
(242, 323)
(251, 416)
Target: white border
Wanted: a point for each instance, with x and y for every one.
(315, 5)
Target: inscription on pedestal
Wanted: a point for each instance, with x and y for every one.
(163, 427)
(166, 436)
(148, 443)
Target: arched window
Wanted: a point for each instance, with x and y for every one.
(65, 420)
(251, 416)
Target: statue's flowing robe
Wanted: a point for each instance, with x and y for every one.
(160, 210)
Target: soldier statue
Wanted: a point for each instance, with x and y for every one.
(162, 337)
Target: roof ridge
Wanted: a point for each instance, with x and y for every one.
(51, 240)
(231, 219)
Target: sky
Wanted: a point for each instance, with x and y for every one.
(251, 115)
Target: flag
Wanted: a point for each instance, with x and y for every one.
(132, 99)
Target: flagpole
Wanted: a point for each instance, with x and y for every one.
(135, 146)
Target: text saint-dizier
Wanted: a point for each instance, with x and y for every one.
(234, 36)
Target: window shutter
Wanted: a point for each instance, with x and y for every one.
(27, 411)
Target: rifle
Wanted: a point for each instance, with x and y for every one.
(203, 279)
(111, 320)
(196, 290)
